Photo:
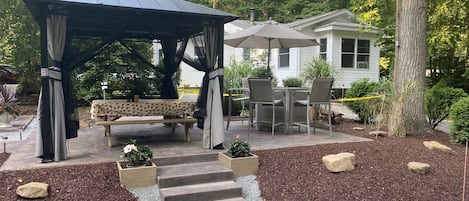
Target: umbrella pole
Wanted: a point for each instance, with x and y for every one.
(268, 54)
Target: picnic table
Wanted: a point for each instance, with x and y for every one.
(109, 112)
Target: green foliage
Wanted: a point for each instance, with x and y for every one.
(438, 101)
(459, 114)
(447, 38)
(262, 73)
(292, 82)
(232, 79)
(239, 148)
(361, 88)
(448, 42)
(317, 68)
(278, 10)
(235, 72)
(8, 101)
(381, 14)
(136, 155)
(125, 75)
(20, 45)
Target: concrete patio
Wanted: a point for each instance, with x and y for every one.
(91, 146)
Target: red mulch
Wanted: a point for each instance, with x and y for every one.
(293, 173)
(380, 173)
(84, 182)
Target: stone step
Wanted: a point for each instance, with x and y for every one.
(206, 191)
(233, 199)
(196, 158)
(192, 173)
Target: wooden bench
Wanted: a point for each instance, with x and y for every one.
(187, 121)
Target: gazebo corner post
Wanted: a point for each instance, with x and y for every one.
(221, 55)
(47, 154)
(70, 110)
(169, 90)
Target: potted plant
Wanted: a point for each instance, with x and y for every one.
(239, 158)
(292, 82)
(136, 170)
(8, 106)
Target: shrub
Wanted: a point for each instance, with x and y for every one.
(438, 101)
(264, 73)
(232, 79)
(459, 114)
(8, 101)
(235, 72)
(318, 68)
(292, 82)
(361, 88)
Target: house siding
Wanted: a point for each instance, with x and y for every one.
(345, 75)
(334, 28)
(287, 72)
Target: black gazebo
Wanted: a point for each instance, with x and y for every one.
(169, 21)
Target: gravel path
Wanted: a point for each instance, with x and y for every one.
(249, 185)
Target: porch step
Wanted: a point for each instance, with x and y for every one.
(196, 177)
(185, 159)
(205, 191)
(192, 173)
(234, 199)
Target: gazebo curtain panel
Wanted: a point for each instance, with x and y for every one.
(210, 115)
(56, 34)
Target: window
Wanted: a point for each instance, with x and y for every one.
(355, 50)
(348, 52)
(323, 48)
(363, 54)
(284, 57)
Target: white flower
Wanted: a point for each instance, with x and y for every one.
(133, 147)
(128, 148)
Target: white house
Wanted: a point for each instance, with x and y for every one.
(345, 42)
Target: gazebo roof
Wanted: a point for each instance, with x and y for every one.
(149, 19)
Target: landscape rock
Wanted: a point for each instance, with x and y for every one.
(418, 167)
(434, 145)
(33, 190)
(340, 162)
(358, 128)
(378, 133)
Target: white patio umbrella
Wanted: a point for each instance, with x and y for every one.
(268, 35)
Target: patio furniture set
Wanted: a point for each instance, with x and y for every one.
(274, 106)
(287, 106)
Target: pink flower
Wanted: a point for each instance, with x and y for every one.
(237, 137)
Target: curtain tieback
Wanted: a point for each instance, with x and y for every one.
(52, 72)
(216, 73)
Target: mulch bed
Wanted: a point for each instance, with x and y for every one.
(84, 182)
(293, 173)
(381, 171)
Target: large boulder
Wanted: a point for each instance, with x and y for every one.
(340, 162)
(33, 190)
(418, 167)
(434, 145)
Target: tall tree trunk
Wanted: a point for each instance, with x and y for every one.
(407, 115)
